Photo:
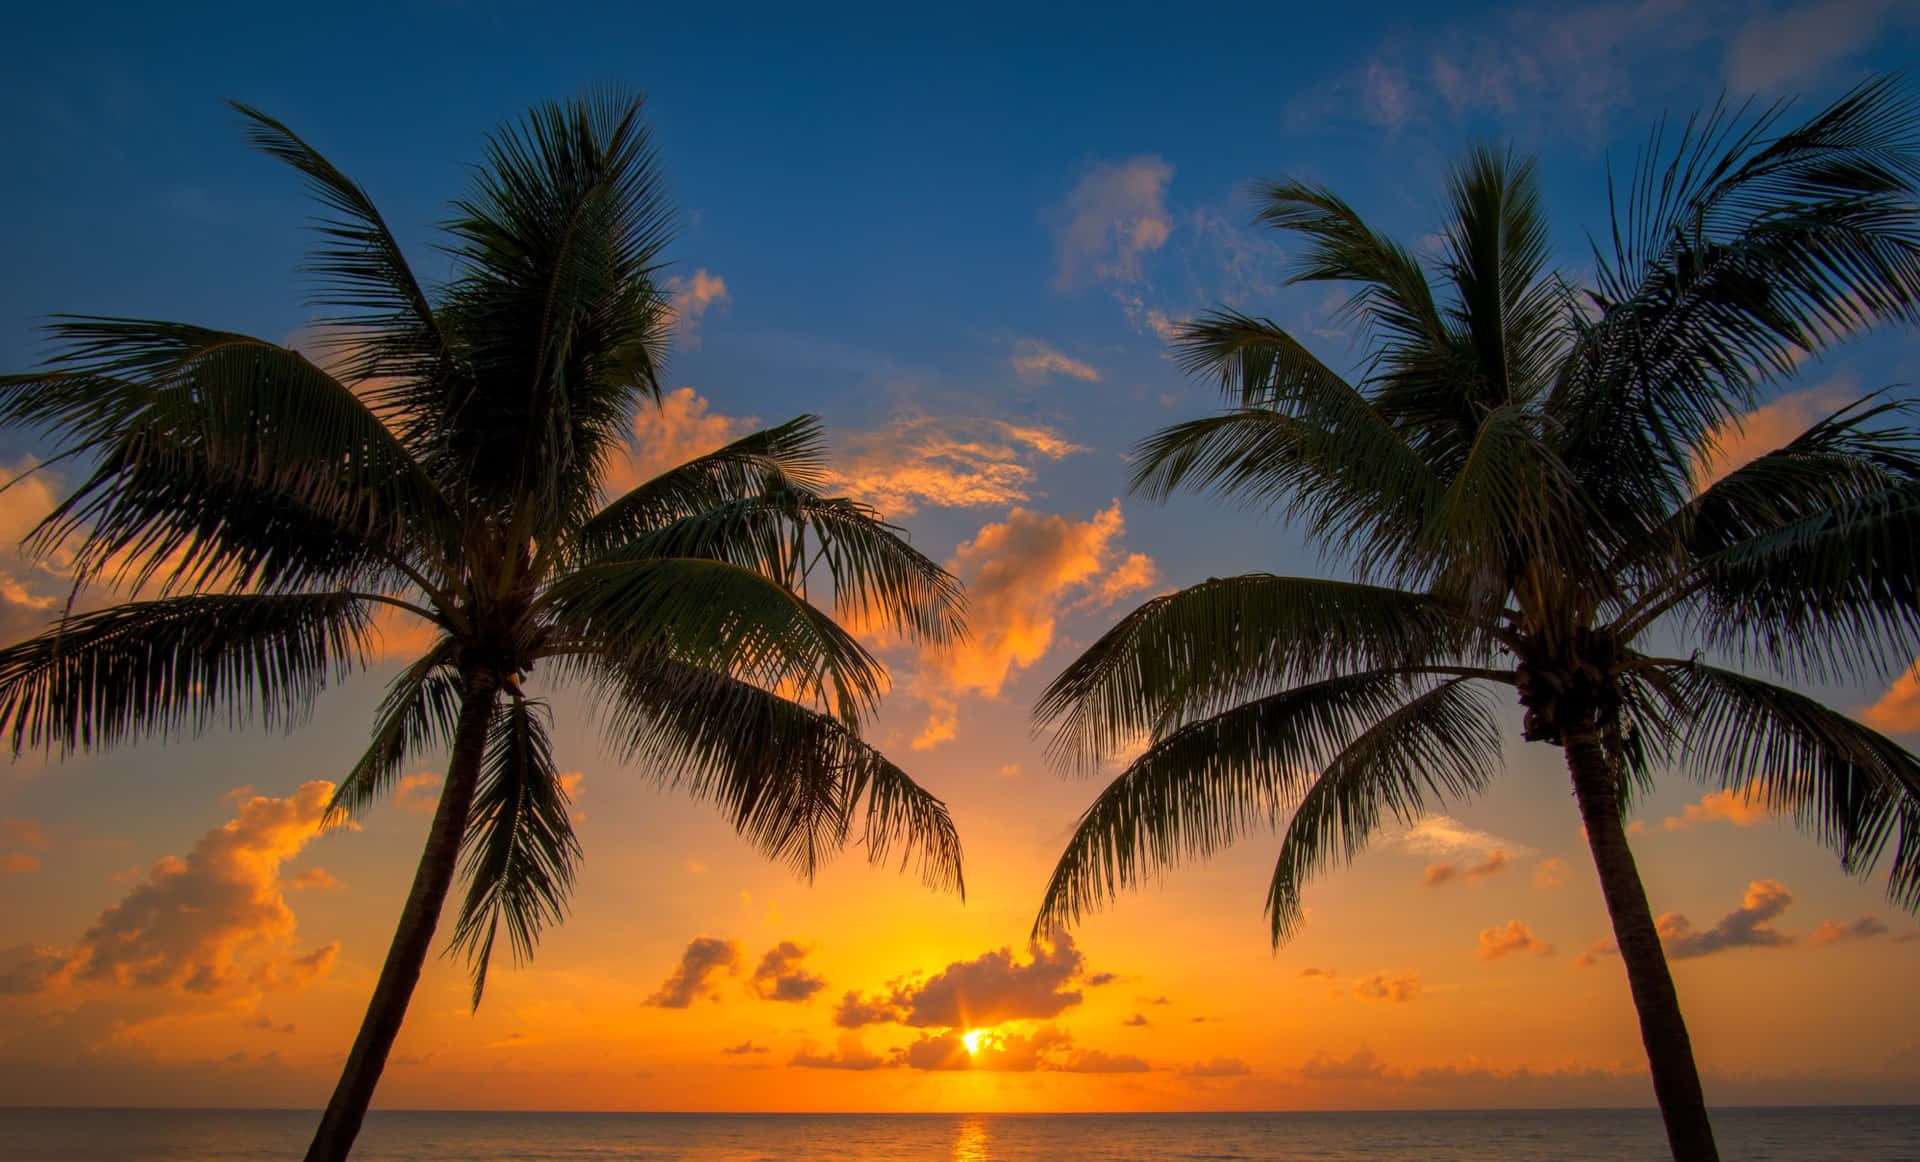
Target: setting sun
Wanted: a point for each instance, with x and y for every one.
(972, 1040)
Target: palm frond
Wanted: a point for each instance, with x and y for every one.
(800, 540)
(787, 777)
(159, 667)
(789, 455)
(218, 453)
(560, 303)
(1855, 790)
(391, 332)
(520, 852)
(1441, 746)
(718, 616)
(1209, 783)
(1212, 645)
(419, 713)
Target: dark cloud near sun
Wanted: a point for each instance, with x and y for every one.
(986, 990)
(851, 1055)
(705, 958)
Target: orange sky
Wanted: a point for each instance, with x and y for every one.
(180, 932)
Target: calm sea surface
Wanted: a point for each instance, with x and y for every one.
(1787, 1135)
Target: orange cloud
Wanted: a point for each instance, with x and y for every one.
(1035, 360)
(402, 635)
(681, 428)
(316, 877)
(693, 296)
(1742, 808)
(1438, 874)
(1021, 575)
(28, 833)
(19, 861)
(1836, 931)
(1767, 429)
(1513, 940)
(1898, 710)
(1400, 987)
(943, 463)
(1361, 1065)
(1216, 1067)
(216, 922)
(417, 794)
(1550, 873)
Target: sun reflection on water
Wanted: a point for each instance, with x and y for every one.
(970, 1145)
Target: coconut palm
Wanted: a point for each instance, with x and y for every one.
(447, 465)
(1512, 477)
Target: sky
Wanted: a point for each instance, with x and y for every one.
(962, 240)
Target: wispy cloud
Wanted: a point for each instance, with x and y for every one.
(693, 296)
(1441, 874)
(1840, 931)
(1742, 807)
(1115, 214)
(1447, 837)
(1036, 361)
(1385, 986)
(682, 427)
(1803, 41)
(945, 462)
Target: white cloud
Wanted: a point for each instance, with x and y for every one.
(1113, 216)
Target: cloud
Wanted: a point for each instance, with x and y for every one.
(683, 427)
(1513, 940)
(1397, 987)
(1137, 1021)
(971, 994)
(1022, 574)
(1313, 972)
(944, 462)
(216, 922)
(1836, 931)
(19, 861)
(1742, 808)
(1898, 710)
(1550, 873)
(1116, 214)
(315, 877)
(1100, 1061)
(27, 832)
(851, 1055)
(779, 976)
(1444, 837)
(417, 794)
(1035, 360)
(1438, 874)
(1360, 1065)
(1217, 1067)
(744, 1048)
(705, 958)
(1745, 927)
(1801, 42)
(1767, 429)
(693, 296)
(29, 968)
(1524, 64)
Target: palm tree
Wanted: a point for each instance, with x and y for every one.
(449, 466)
(1510, 476)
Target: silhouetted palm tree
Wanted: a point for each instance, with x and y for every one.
(1511, 477)
(450, 465)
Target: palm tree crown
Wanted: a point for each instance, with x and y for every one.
(448, 462)
(1512, 478)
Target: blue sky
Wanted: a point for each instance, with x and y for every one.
(930, 224)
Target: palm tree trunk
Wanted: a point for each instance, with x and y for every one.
(341, 1122)
(1676, 1081)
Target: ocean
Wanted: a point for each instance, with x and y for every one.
(1806, 1134)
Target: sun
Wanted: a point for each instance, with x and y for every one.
(971, 1039)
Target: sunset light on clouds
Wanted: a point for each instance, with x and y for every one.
(971, 275)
